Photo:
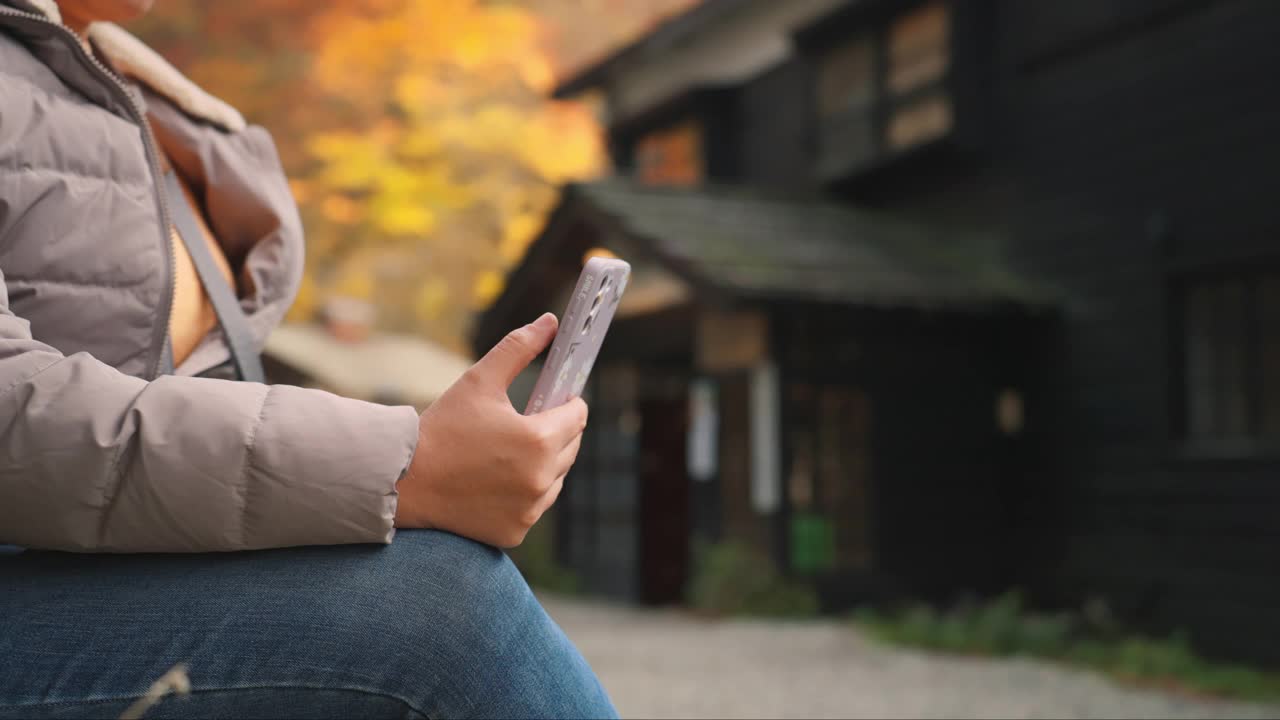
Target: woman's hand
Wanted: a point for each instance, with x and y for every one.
(482, 470)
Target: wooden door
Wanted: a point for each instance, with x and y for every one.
(664, 499)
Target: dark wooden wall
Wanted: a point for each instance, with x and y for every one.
(776, 138)
(1125, 145)
(943, 477)
(1144, 138)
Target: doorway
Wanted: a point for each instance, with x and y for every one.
(664, 497)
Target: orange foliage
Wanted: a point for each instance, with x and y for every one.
(422, 150)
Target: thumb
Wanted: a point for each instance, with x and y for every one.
(514, 352)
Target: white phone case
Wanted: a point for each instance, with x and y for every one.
(582, 330)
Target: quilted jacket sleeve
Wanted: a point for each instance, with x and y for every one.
(95, 460)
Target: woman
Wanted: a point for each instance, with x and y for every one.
(148, 244)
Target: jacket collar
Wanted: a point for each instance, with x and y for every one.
(131, 57)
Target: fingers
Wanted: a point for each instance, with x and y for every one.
(567, 456)
(549, 498)
(514, 352)
(564, 423)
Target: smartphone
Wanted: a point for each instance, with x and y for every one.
(582, 329)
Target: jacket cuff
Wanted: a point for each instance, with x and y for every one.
(322, 469)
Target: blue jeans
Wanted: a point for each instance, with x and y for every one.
(430, 626)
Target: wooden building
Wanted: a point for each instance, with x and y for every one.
(936, 296)
(802, 331)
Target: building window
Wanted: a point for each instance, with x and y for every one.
(671, 156)
(1231, 347)
(885, 91)
(846, 98)
(846, 80)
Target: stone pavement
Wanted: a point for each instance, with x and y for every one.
(665, 663)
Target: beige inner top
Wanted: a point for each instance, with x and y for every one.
(193, 316)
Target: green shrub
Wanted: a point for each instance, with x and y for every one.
(731, 579)
(994, 628)
(918, 626)
(999, 627)
(1091, 638)
(1142, 657)
(536, 560)
(1089, 652)
(1044, 636)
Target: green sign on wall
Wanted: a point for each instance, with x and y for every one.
(813, 543)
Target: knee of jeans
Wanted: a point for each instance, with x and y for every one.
(473, 624)
(466, 584)
(517, 660)
(461, 567)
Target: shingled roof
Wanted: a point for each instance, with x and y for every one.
(737, 244)
(754, 244)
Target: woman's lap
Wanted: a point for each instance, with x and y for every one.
(431, 625)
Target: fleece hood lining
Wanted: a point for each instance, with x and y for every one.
(131, 57)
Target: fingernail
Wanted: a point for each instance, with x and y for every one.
(546, 321)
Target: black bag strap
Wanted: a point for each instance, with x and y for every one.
(225, 305)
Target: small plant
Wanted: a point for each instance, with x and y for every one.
(1092, 638)
(731, 579)
(535, 559)
(999, 627)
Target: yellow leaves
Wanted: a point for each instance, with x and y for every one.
(426, 139)
(351, 160)
(490, 36)
(355, 279)
(400, 181)
(307, 303)
(421, 143)
(559, 142)
(301, 190)
(229, 73)
(488, 286)
(472, 49)
(331, 145)
(406, 200)
(355, 47)
(403, 218)
(341, 210)
(431, 299)
(517, 235)
(537, 73)
(418, 93)
(564, 144)
(474, 37)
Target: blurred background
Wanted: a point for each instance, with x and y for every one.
(948, 379)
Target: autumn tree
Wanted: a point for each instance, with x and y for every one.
(422, 149)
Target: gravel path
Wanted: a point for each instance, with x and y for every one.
(668, 664)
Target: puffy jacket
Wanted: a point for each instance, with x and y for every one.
(102, 446)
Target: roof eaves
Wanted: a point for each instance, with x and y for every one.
(644, 245)
(665, 34)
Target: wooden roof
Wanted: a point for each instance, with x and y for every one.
(767, 245)
(741, 244)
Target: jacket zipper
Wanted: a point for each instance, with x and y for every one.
(160, 336)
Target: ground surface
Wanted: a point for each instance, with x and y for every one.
(668, 664)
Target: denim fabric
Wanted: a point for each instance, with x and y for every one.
(429, 626)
